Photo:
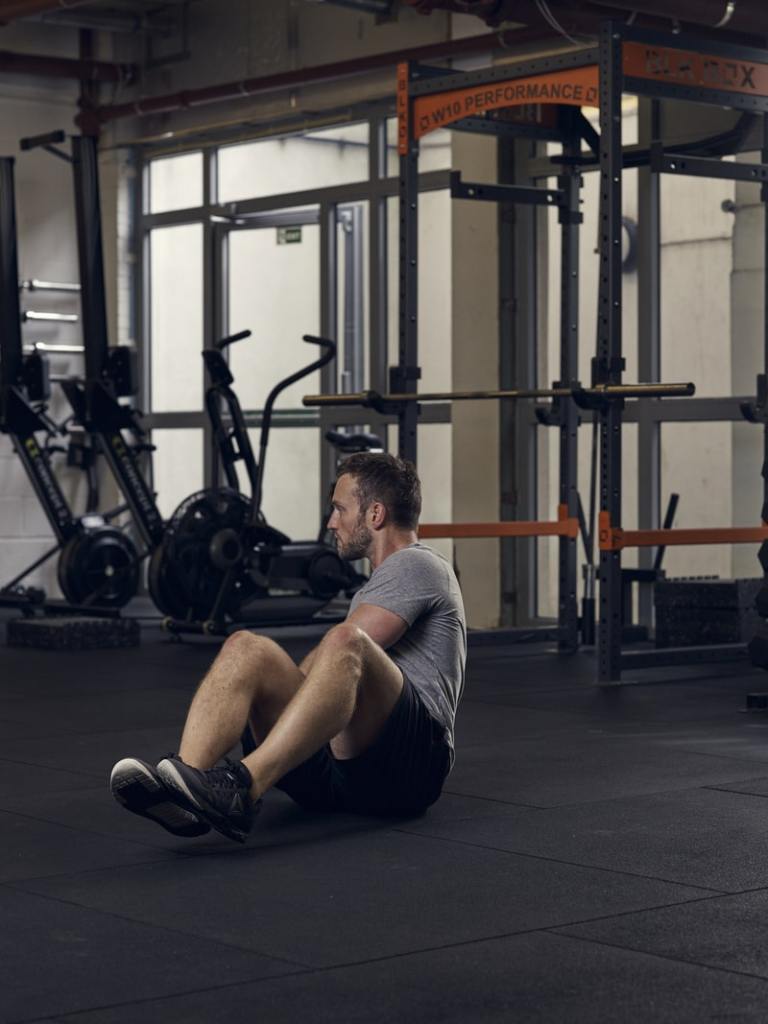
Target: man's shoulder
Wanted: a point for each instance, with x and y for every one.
(417, 554)
(421, 564)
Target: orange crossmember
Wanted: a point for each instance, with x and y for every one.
(564, 527)
(616, 539)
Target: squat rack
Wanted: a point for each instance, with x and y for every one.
(429, 98)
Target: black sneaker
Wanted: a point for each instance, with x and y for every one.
(220, 796)
(138, 787)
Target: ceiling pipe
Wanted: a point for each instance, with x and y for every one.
(382, 7)
(66, 67)
(91, 120)
(105, 21)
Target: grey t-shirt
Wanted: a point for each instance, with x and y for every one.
(420, 586)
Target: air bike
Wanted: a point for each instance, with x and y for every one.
(221, 564)
(98, 564)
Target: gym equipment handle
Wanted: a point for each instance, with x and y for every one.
(49, 139)
(231, 339)
(326, 357)
(326, 343)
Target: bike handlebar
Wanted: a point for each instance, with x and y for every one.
(231, 339)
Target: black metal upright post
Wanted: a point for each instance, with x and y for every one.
(329, 326)
(10, 364)
(407, 373)
(649, 343)
(93, 305)
(609, 363)
(570, 219)
(97, 407)
(764, 198)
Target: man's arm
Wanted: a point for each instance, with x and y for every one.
(383, 627)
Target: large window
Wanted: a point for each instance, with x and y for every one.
(221, 257)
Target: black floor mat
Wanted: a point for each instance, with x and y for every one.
(598, 855)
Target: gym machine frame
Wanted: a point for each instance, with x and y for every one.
(91, 551)
(110, 372)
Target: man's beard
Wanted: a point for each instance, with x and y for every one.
(358, 545)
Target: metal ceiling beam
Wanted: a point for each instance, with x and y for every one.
(12, 9)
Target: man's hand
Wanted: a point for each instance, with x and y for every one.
(382, 626)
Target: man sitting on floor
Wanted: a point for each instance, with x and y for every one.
(365, 723)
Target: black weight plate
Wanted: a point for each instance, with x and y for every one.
(99, 567)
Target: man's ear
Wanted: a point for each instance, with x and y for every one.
(378, 515)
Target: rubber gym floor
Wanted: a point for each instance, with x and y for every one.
(598, 855)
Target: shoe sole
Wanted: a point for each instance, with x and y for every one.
(174, 780)
(135, 787)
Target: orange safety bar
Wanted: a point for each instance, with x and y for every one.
(565, 526)
(613, 538)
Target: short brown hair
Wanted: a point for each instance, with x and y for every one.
(391, 480)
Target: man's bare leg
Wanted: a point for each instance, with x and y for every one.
(346, 697)
(251, 678)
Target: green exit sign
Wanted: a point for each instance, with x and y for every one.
(287, 236)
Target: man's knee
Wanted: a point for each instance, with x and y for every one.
(346, 642)
(249, 653)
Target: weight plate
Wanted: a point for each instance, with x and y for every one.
(99, 567)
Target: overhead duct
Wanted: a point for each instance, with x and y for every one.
(733, 15)
(744, 16)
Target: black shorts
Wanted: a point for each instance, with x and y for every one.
(402, 772)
